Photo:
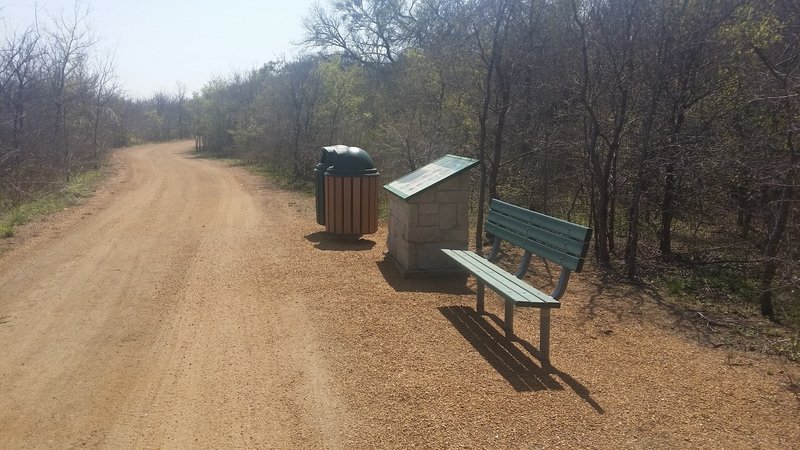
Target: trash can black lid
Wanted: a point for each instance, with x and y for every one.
(328, 154)
(348, 162)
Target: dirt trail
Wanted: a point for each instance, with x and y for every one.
(189, 304)
(149, 322)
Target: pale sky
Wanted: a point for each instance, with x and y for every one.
(158, 43)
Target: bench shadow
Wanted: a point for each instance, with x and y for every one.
(333, 242)
(508, 360)
(453, 284)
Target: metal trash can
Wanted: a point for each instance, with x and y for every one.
(328, 153)
(351, 192)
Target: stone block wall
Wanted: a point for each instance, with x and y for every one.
(428, 222)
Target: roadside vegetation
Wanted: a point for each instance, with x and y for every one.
(59, 116)
(79, 186)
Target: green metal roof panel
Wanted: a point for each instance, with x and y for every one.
(430, 175)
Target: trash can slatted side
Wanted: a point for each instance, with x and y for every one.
(357, 228)
(373, 205)
(347, 204)
(351, 205)
(330, 212)
(347, 193)
(338, 221)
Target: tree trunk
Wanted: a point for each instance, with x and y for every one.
(95, 142)
(771, 251)
(601, 200)
(601, 227)
(632, 243)
(667, 211)
(505, 105)
(491, 61)
(634, 212)
(612, 206)
(777, 229)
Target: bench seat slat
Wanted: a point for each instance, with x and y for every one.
(508, 286)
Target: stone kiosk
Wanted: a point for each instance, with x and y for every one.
(429, 211)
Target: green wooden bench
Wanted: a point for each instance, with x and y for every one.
(563, 243)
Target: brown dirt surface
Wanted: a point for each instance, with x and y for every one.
(191, 304)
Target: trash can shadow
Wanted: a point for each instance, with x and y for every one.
(343, 243)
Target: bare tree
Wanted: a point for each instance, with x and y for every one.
(68, 44)
(371, 32)
(180, 98)
(106, 90)
(607, 34)
(781, 62)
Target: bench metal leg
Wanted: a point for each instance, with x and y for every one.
(509, 322)
(481, 291)
(544, 333)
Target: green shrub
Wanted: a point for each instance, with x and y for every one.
(6, 230)
(80, 186)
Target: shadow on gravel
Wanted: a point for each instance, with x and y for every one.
(452, 284)
(616, 297)
(333, 242)
(508, 360)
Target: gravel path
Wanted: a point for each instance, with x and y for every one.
(189, 304)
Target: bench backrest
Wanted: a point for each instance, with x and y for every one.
(556, 240)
